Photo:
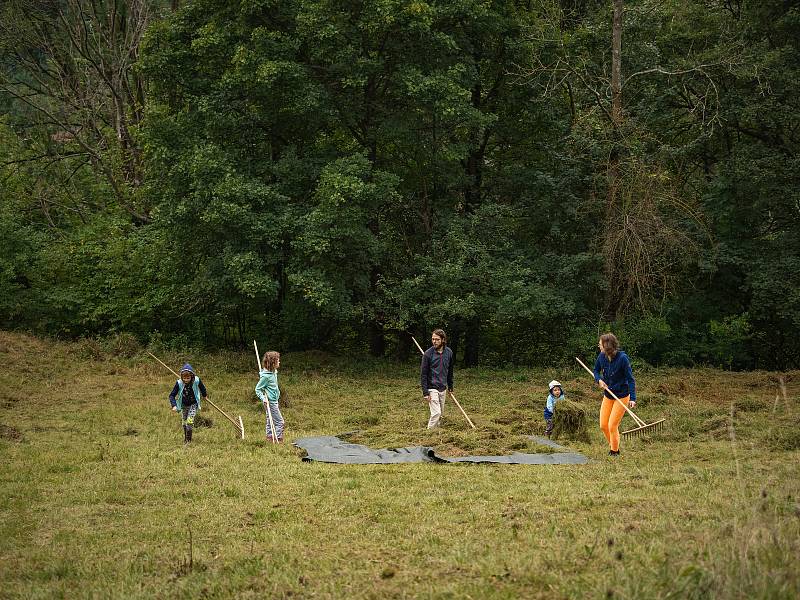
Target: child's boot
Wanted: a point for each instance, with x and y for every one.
(188, 435)
(185, 435)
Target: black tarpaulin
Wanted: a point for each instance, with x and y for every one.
(331, 449)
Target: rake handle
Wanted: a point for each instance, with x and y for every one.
(269, 412)
(451, 393)
(462, 410)
(630, 412)
(223, 413)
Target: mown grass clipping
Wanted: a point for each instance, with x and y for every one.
(570, 422)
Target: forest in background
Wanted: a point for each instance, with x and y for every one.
(335, 175)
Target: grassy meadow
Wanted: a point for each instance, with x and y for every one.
(100, 499)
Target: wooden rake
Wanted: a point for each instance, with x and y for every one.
(269, 412)
(641, 427)
(471, 424)
(239, 426)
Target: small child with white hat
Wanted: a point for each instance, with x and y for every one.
(556, 394)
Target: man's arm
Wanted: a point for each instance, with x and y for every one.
(424, 372)
(450, 371)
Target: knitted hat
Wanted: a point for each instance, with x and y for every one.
(187, 367)
(553, 384)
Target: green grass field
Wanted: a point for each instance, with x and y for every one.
(100, 499)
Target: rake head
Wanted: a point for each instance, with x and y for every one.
(645, 429)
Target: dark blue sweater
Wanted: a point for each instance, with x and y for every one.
(617, 374)
(436, 370)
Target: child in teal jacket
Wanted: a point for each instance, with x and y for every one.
(185, 398)
(269, 393)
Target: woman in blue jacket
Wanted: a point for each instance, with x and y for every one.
(612, 371)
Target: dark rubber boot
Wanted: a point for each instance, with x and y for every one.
(188, 435)
(185, 435)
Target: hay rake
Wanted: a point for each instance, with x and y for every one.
(239, 426)
(641, 427)
(471, 424)
(269, 412)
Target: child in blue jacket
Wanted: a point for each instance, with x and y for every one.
(185, 398)
(554, 396)
(269, 393)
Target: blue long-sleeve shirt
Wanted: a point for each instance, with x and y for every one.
(617, 374)
(436, 370)
(550, 407)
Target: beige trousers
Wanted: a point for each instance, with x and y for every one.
(437, 407)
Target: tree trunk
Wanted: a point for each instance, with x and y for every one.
(616, 64)
(472, 337)
(377, 343)
(473, 163)
(404, 344)
(613, 300)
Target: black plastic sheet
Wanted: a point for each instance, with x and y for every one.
(331, 449)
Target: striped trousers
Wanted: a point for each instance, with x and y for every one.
(187, 415)
(277, 420)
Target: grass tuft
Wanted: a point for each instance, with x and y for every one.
(203, 421)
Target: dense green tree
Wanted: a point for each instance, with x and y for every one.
(339, 174)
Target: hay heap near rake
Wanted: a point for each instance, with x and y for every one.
(570, 421)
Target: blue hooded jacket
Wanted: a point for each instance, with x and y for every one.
(198, 389)
(550, 407)
(617, 374)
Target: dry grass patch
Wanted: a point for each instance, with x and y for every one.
(99, 499)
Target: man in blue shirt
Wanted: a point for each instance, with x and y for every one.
(436, 375)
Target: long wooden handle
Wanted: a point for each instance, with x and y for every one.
(269, 412)
(630, 412)
(168, 369)
(223, 413)
(207, 398)
(258, 357)
(462, 410)
(451, 393)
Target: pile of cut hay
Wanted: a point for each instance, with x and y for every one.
(570, 421)
(454, 439)
(201, 421)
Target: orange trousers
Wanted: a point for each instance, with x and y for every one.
(611, 413)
